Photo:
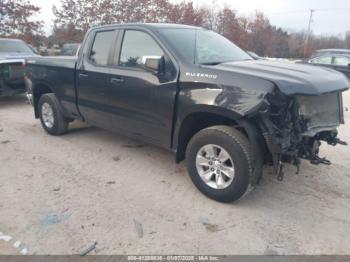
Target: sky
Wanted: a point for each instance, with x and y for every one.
(331, 17)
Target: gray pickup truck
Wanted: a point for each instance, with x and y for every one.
(197, 94)
(13, 53)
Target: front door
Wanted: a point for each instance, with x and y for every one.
(142, 100)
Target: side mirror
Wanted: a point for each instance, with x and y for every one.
(154, 64)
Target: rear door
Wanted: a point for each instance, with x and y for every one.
(342, 64)
(93, 78)
(142, 101)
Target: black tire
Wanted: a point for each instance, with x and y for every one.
(237, 146)
(60, 123)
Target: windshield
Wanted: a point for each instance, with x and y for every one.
(201, 46)
(10, 46)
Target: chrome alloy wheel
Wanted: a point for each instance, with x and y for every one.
(47, 114)
(215, 166)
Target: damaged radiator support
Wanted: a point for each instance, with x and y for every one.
(293, 128)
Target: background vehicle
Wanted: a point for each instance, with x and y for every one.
(194, 92)
(70, 49)
(321, 52)
(12, 55)
(338, 59)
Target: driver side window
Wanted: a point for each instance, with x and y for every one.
(137, 47)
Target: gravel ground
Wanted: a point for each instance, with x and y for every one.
(58, 195)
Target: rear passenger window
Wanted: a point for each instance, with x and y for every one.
(101, 46)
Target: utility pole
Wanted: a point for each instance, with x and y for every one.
(306, 43)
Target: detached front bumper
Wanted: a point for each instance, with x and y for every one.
(321, 113)
(294, 127)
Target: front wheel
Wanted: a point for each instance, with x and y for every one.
(51, 117)
(219, 162)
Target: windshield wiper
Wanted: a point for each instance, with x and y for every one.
(211, 63)
(221, 62)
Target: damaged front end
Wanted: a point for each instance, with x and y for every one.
(294, 126)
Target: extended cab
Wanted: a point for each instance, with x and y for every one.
(194, 92)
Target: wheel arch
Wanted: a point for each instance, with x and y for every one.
(196, 120)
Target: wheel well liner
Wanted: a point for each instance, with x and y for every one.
(194, 123)
(198, 121)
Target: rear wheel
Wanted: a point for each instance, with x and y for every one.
(219, 162)
(51, 117)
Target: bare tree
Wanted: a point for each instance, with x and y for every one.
(256, 33)
(186, 13)
(16, 20)
(261, 34)
(347, 40)
(233, 27)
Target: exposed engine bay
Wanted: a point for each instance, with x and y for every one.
(294, 126)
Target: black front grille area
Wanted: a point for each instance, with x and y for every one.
(321, 113)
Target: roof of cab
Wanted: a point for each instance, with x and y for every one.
(149, 25)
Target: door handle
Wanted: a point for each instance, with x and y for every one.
(83, 75)
(117, 80)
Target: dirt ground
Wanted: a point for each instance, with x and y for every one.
(58, 195)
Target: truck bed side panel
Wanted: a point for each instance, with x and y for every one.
(57, 73)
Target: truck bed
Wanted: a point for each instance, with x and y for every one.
(60, 72)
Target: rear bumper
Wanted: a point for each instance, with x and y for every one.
(9, 89)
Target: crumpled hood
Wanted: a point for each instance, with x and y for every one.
(291, 78)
